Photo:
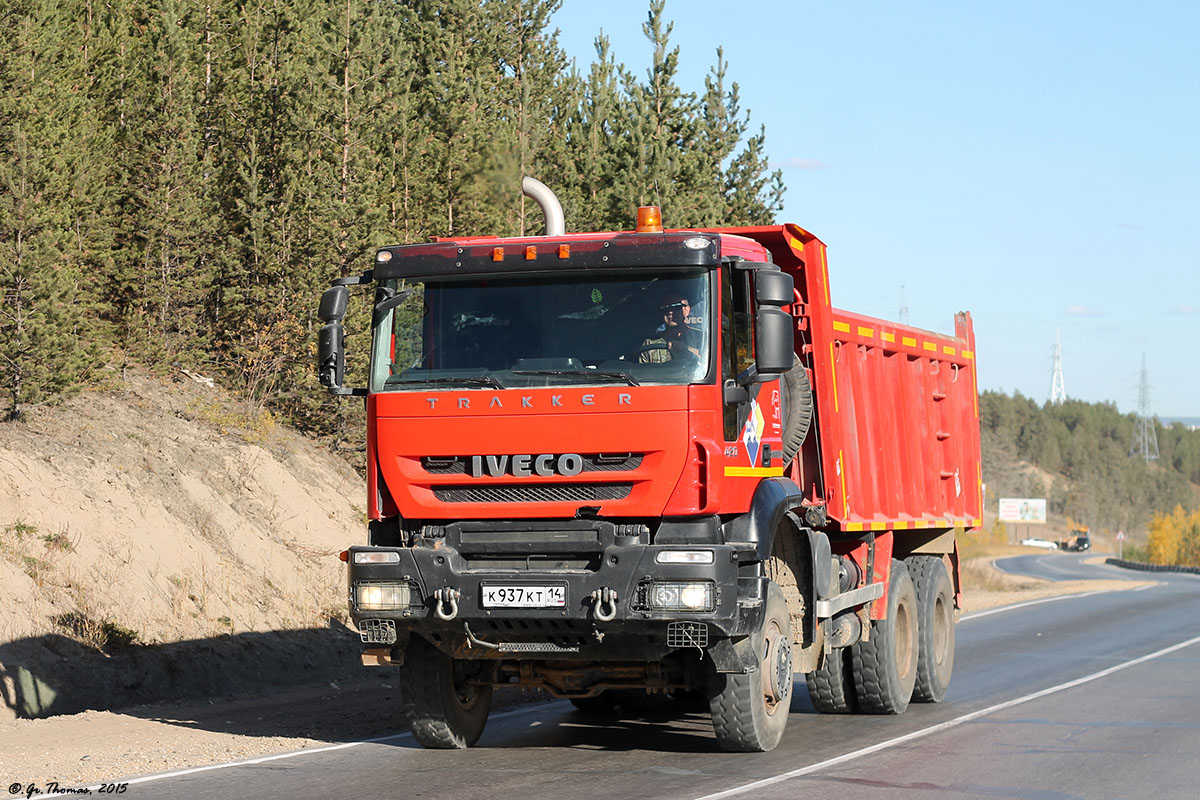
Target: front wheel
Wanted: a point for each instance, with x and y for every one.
(749, 712)
(885, 666)
(445, 707)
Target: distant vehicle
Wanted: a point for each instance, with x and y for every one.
(1043, 543)
(1078, 541)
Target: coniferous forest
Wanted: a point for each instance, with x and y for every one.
(179, 179)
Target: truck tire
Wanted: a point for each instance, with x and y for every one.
(935, 626)
(831, 687)
(443, 709)
(749, 712)
(796, 406)
(885, 667)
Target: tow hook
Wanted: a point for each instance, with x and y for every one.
(446, 603)
(604, 604)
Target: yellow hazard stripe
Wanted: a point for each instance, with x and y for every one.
(868, 332)
(908, 341)
(842, 475)
(753, 472)
(844, 327)
(912, 524)
(833, 375)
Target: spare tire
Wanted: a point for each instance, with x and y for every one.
(795, 408)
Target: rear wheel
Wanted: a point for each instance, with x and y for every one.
(831, 687)
(445, 708)
(935, 615)
(885, 667)
(749, 712)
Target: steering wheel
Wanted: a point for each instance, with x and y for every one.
(650, 348)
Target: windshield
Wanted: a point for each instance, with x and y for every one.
(573, 328)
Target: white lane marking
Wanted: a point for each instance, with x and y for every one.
(943, 726)
(1027, 603)
(279, 756)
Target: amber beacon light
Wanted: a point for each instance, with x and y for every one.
(649, 219)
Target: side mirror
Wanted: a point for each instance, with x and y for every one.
(333, 304)
(774, 329)
(331, 354)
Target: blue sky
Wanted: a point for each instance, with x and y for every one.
(1035, 163)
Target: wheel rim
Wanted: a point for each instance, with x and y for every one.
(906, 642)
(776, 668)
(941, 629)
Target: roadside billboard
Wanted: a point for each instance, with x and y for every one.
(1029, 510)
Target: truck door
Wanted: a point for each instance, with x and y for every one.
(751, 421)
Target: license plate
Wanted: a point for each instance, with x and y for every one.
(525, 596)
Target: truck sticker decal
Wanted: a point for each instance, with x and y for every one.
(752, 432)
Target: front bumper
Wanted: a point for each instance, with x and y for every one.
(606, 580)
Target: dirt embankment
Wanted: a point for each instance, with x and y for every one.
(163, 541)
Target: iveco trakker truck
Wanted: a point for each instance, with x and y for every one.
(630, 466)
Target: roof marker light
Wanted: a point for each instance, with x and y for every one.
(649, 219)
(564, 250)
(696, 243)
(530, 253)
(497, 254)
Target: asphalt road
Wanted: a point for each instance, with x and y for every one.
(1088, 696)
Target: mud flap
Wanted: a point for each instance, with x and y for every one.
(734, 656)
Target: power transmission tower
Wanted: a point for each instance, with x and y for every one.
(1058, 388)
(1145, 441)
(903, 306)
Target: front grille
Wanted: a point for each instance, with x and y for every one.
(533, 493)
(592, 462)
(532, 563)
(687, 634)
(377, 631)
(536, 647)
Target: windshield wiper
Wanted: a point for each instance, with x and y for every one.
(470, 380)
(582, 373)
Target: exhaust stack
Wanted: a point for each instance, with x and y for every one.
(540, 192)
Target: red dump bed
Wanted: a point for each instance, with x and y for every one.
(897, 407)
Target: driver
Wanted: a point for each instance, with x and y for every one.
(674, 338)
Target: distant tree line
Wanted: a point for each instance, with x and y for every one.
(1077, 456)
(179, 179)
(1175, 538)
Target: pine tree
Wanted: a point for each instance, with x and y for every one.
(594, 130)
(46, 313)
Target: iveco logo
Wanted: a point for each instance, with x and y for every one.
(523, 466)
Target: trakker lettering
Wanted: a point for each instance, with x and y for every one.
(525, 466)
(623, 399)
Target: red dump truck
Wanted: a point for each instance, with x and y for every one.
(630, 467)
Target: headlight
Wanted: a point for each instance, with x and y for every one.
(699, 596)
(381, 596)
(376, 557)
(684, 557)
